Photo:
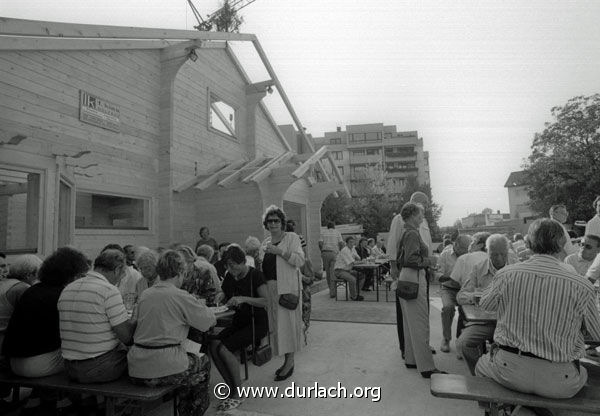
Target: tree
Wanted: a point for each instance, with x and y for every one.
(336, 210)
(563, 166)
(226, 19)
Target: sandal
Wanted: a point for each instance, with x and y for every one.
(229, 404)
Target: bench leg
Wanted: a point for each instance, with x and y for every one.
(16, 394)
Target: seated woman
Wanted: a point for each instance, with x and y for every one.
(245, 290)
(197, 281)
(158, 358)
(364, 253)
(33, 337)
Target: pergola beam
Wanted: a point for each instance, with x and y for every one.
(24, 27)
(265, 170)
(235, 175)
(198, 178)
(315, 157)
(212, 179)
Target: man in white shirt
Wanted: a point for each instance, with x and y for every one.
(330, 244)
(583, 259)
(559, 213)
(593, 226)
(343, 269)
(449, 288)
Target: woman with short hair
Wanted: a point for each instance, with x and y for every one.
(197, 281)
(413, 260)
(158, 357)
(283, 256)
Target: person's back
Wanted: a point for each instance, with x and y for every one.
(94, 322)
(541, 306)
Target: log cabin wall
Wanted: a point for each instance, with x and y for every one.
(40, 96)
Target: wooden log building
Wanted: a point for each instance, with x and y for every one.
(141, 136)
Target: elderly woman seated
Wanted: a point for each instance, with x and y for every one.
(245, 290)
(23, 273)
(146, 261)
(32, 339)
(158, 356)
(196, 280)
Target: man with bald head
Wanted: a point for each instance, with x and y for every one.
(449, 288)
(471, 342)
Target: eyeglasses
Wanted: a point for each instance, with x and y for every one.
(273, 221)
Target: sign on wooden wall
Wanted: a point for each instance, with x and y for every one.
(99, 112)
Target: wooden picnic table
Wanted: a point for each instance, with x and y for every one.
(474, 313)
(375, 267)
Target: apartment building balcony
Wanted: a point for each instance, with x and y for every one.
(365, 159)
(400, 155)
(406, 169)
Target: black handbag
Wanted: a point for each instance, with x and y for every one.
(407, 290)
(290, 300)
(261, 354)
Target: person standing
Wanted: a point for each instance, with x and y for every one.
(413, 260)
(205, 238)
(283, 257)
(394, 235)
(560, 214)
(593, 226)
(541, 306)
(330, 244)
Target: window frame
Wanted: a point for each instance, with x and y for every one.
(43, 172)
(150, 201)
(210, 96)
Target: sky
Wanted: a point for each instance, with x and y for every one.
(476, 79)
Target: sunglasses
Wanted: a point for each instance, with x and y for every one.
(273, 221)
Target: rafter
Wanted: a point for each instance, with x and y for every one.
(235, 175)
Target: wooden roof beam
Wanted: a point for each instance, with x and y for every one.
(259, 174)
(213, 179)
(304, 167)
(259, 87)
(262, 105)
(8, 43)
(24, 27)
(235, 175)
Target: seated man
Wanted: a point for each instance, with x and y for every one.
(582, 260)
(472, 339)
(449, 288)
(343, 268)
(94, 322)
(206, 252)
(541, 307)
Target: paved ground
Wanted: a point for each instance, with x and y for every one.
(356, 355)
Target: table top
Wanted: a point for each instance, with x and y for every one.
(474, 313)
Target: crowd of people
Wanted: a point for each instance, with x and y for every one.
(141, 312)
(540, 287)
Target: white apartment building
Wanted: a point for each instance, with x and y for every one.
(400, 154)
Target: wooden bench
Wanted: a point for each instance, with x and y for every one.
(137, 398)
(455, 386)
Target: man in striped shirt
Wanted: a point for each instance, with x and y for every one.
(94, 322)
(541, 305)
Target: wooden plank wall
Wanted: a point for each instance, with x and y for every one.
(39, 98)
(232, 214)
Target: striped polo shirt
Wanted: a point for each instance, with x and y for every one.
(542, 305)
(88, 309)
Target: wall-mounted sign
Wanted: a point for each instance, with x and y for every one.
(99, 112)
